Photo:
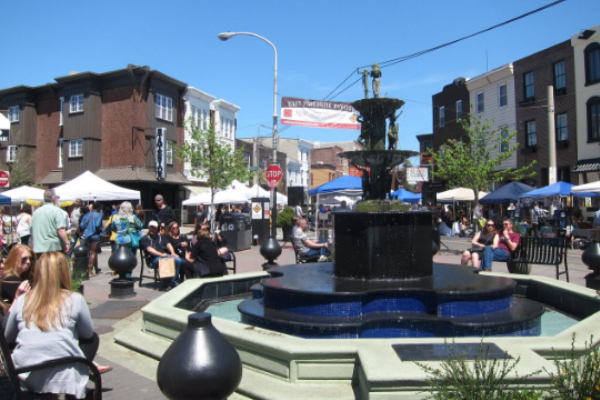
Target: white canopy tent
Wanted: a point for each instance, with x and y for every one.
(225, 196)
(459, 194)
(89, 187)
(23, 193)
(592, 187)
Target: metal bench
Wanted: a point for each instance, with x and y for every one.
(142, 263)
(543, 251)
(300, 259)
(13, 373)
(232, 261)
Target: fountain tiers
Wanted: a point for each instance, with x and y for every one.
(454, 302)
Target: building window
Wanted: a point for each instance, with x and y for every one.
(592, 63)
(442, 116)
(169, 152)
(76, 148)
(562, 133)
(427, 145)
(60, 152)
(263, 161)
(504, 139)
(11, 154)
(163, 107)
(458, 109)
(503, 96)
(62, 110)
(530, 134)
(529, 87)
(13, 114)
(247, 156)
(593, 111)
(480, 107)
(560, 79)
(76, 103)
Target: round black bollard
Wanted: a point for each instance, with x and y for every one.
(200, 364)
(81, 263)
(270, 249)
(122, 261)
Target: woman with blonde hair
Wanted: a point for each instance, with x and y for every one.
(125, 225)
(17, 273)
(47, 323)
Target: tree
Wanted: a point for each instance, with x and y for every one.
(212, 160)
(22, 169)
(474, 163)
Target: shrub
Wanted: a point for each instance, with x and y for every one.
(284, 218)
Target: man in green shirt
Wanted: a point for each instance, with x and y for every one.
(48, 226)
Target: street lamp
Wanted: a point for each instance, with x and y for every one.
(270, 249)
(228, 35)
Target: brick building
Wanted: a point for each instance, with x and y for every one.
(107, 123)
(326, 165)
(533, 74)
(449, 107)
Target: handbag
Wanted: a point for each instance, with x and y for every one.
(476, 249)
(135, 240)
(200, 268)
(166, 268)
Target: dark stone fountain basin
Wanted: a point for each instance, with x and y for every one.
(311, 302)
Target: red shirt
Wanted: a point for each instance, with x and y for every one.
(514, 237)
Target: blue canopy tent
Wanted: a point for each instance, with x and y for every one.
(509, 193)
(345, 185)
(406, 196)
(5, 200)
(556, 189)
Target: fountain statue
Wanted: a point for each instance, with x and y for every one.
(383, 281)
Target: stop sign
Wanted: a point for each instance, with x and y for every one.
(273, 174)
(4, 179)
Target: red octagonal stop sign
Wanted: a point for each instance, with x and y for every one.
(4, 179)
(273, 174)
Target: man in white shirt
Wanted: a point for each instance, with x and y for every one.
(299, 212)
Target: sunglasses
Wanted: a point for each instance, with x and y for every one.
(489, 224)
(25, 259)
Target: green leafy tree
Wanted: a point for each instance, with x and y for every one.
(22, 169)
(212, 159)
(474, 163)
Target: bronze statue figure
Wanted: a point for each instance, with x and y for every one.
(393, 133)
(376, 74)
(365, 133)
(365, 82)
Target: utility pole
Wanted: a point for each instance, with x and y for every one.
(551, 138)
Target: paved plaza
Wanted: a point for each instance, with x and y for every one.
(134, 375)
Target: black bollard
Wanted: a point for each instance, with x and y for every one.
(81, 256)
(122, 261)
(200, 364)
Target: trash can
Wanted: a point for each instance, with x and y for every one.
(236, 229)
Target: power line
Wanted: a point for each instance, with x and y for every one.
(394, 61)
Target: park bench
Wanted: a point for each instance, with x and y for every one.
(543, 251)
(231, 265)
(300, 259)
(12, 372)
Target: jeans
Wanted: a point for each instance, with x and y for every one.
(323, 251)
(178, 262)
(490, 255)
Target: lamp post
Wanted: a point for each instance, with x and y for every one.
(270, 249)
(228, 35)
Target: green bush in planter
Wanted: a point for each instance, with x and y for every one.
(284, 218)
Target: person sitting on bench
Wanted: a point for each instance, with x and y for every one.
(509, 241)
(482, 239)
(309, 248)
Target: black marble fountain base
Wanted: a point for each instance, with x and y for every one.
(311, 302)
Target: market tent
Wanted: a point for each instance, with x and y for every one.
(556, 189)
(406, 196)
(593, 187)
(509, 193)
(5, 200)
(345, 185)
(457, 194)
(229, 196)
(89, 187)
(23, 193)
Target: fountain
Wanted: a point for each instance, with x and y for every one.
(374, 300)
(383, 282)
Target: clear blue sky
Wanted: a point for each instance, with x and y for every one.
(319, 44)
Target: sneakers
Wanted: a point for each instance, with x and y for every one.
(323, 258)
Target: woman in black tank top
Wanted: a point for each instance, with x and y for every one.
(487, 237)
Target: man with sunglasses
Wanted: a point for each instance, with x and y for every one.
(509, 241)
(164, 214)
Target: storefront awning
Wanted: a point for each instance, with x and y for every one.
(589, 165)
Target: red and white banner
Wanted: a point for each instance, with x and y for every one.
(318, 114)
